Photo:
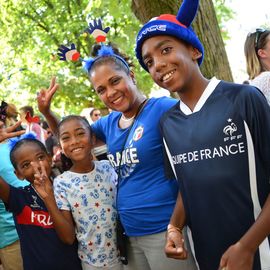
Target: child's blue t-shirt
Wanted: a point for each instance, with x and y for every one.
(40, 246)
(146, 198)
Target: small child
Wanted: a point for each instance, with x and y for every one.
(85, 195)
(40, 245)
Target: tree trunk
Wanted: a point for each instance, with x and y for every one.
(205, 26)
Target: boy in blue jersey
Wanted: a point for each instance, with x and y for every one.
(217, 141)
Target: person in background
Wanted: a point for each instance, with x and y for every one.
(6, 133)
(95, 114)
(257, 53)
(217, 141)
(31, 123)
(10, 251)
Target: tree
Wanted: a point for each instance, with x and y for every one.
(216, 62)
(31, 32)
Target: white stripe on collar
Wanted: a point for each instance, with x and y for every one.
(205, 95)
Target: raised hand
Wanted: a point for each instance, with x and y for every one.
(6, 133)
(68, 54)
(96, 30)
(42, 183)
(44, 97)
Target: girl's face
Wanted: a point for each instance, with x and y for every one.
(74, 137)
(115, 88)
(27, 155)
(170, 62)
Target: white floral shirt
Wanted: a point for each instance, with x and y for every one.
(90, 198)
(262, 81)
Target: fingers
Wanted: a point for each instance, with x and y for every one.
(43, 170)
(174, 247)
(52, 84)
(36, 169)
(223, 262)
(15, 134)
(7, 133)
(53, 90)
(13, 127)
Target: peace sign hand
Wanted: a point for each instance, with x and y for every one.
(42, 183)
(44, 97)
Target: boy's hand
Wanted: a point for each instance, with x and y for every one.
(44, 97)
(6, 133)
(174, 247)
(237, 257)
(42, 183)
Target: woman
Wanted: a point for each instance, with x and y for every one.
(257, 52)
(146, 198)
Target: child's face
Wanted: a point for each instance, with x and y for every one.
(74, 137)
(115, 87)
(171, 63)
(27, 155)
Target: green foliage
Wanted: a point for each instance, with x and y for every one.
(31, 32)
(224, 14)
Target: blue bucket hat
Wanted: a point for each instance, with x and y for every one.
(170, 25)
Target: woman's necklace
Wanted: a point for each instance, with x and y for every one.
(126, 119)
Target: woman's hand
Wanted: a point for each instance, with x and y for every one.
(44, 97)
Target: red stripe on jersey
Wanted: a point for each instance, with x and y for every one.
(36, 218)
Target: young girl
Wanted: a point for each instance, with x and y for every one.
(40, 245)
(85, 195)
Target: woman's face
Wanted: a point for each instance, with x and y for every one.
(115, 87)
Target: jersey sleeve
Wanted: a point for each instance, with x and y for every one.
(16, 200)
(256, 113)
(98, 128)
(60, 194)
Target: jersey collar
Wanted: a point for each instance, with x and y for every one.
(206, 93)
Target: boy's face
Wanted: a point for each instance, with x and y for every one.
(74, 138)
(170, 62)
(27, 155)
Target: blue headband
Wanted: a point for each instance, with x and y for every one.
(27, 136)
(170, 25)
(104, 51)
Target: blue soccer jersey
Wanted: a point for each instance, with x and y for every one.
(146, 198)
(41, 248)
(220, 155)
